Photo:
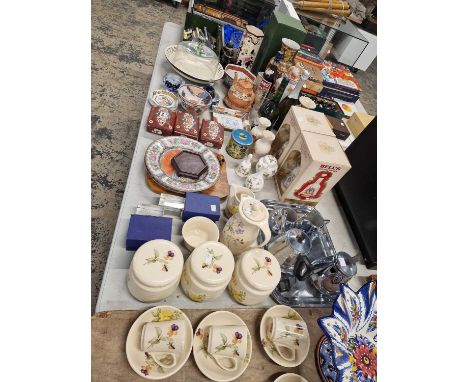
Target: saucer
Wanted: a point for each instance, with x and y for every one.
(204, 360)
(285, 312)
(142, 363)
(324, 361)
(290, 377)
(163, 98)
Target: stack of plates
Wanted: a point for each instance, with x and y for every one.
(158, 164)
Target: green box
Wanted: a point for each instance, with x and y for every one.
(280, 26)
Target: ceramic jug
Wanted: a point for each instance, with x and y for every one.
(241, 230)
(257, 130)
(235, 194)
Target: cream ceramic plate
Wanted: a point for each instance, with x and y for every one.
(193, 76)
(204, 361)
(142, 364)
(290, 377)
(285, 312)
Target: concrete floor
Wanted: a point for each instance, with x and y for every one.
(125, 38)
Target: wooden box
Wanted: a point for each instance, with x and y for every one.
(358, 122)
(161, 121)
(298, 119)
(212, 134)
(186, 124)
(312, 166)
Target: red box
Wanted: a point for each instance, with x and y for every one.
(187, 125)
(161, 121)
(212, 134)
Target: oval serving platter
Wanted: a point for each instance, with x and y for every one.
(158, 163)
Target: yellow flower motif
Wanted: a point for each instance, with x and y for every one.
(165, 314)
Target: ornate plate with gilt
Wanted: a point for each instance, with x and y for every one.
(158, 163)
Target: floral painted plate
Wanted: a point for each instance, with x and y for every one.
(158, 163)
(324, 360)
(143, 363)
(163, 98)
(204, 360)
(352, 333)
(303, 347)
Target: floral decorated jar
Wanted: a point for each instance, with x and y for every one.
(155, 271)
(240, 141)
(207, 271)
(256, 275)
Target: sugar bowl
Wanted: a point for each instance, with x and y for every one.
(256, 275)
(207, 271)
(155, 271)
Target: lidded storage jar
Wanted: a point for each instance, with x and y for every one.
(256, 275)
(155, 270)
(207, 271)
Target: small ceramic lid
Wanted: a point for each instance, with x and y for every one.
(260, 269)
(252, 209)
(157, 263)
(242, 137)
(212, 263)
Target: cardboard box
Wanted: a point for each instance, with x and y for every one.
(298, 119)
(143, 228)
(339, 128)
(201, 205)
(312, 166)
(358, 122)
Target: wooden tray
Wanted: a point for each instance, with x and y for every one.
(220, 189)
(109, 334)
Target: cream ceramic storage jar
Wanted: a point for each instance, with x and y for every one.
(155, 271)
(256, 275)
(207, 271)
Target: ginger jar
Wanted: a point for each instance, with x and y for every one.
(207, 271)
(256, 275)
(155, 271)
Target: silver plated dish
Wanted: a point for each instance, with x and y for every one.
(158, 163)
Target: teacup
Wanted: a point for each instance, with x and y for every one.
(227, 344)
(286, 335)
(164, 339)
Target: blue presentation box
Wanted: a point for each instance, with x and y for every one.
(201, 205)
(144, 228)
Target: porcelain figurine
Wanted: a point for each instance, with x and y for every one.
(263, 146)
(257, 130)
(241, 94)
(245, 167)
(255, 182)
(268, 165)
(235, 196)
(241, 230)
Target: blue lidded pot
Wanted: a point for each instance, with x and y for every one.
(239, 143)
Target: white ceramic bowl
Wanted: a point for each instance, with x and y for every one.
(290, 377)
(198, 230)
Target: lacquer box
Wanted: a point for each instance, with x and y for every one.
(161, 121)
(212, 134)
(186, 124)
(143, 228)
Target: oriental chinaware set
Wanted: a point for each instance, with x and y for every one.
(233, 258)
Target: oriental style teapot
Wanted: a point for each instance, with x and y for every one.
(241, 94)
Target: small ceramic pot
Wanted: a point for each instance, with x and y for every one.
(172, 82)
(240, 141)
(263, 145)
(198, 230)
(207, 271)
(245, 167)
(258, 130)
(256, 275)
(194, 98)
(255, 182)
(155, 271)
(268, 165)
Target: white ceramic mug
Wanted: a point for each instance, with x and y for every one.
(286, 335)
(164, 340)
(227, 344)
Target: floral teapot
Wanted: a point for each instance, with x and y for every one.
(241, 94)
(241, 230)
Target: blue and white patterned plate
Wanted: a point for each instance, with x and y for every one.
(351, 330)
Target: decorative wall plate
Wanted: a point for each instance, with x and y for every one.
(204, 360)
(324, 360)
(192, 76)
(158, 163)
(351, 331)
(143, 363)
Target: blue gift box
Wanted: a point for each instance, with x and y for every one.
(201, 205)
(144, 228)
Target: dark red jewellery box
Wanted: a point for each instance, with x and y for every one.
(161, 121)
(186, 124)
(212, 134)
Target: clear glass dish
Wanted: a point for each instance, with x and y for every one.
(195, 57)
